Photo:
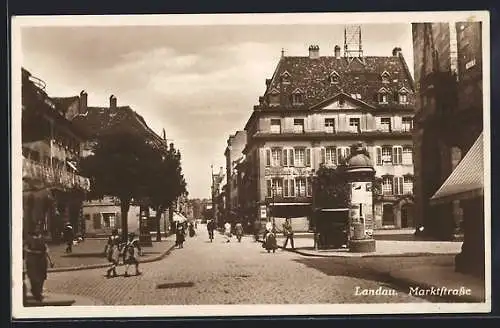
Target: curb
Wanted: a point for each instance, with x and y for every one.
(359, 255)
(106, 265)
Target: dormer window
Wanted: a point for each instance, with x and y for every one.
(297, 97)
(334, 77)
(382, 96)
(274, 98)
(403, 96)
(385, 77)
(285, 77)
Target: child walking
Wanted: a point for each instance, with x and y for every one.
(131, 251)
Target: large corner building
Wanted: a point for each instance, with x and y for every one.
(313, 109)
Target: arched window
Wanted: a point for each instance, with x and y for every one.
(385, 76)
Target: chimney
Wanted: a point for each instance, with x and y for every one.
(112, 102)
(396, 51)
(313, 52)
(83, 102)
(337, 51)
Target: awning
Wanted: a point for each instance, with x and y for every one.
(334, 209)
(179, 217)
(467, 180)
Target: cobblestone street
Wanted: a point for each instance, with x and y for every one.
(235, 273)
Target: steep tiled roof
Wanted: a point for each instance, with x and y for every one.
(311, 77)
(63, 103)
(99, 120)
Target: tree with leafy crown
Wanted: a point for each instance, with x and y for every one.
(121, 165)
(167, 185)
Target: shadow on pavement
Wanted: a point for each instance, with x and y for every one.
(364, 269)
(99, 255)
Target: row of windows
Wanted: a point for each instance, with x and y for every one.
(332, 155)
(397, 185)
(104, 220)
(384, 124)
(298, 98)
(289, 187)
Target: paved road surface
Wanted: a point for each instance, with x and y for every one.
(231, 273)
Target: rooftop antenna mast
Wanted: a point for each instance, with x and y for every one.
(352, 42)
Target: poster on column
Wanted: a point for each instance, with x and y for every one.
(361, 193)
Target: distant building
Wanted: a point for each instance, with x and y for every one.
(234, 155)
(448, 136)
(53, 190)
(314, 108)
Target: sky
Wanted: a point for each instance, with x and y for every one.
(199, 83)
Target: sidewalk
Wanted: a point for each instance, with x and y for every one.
(304, 245)
(89, 254)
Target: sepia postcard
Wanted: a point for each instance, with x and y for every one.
(250, 164)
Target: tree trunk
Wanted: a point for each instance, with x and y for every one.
(171, 218)
(158, 223)
(125, 205)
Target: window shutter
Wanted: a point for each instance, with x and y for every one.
(308, 156)
(323, 155)
(268, 157)
(285, 157)
(118, 220)
(339, 154)
(400, 155)
(347, 152)
(269, 188)
(309, 187)
(379, 155)
(292, 188)
(280, 154)
(292, 153)
(394, 155)
(285, 187)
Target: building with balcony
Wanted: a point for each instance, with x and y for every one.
(314, 108)
(95, 121)
(234, 155)
(448, 122)
(53, 190)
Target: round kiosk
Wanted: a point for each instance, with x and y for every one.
(360, 175)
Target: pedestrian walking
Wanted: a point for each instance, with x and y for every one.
(37, 260)
(112, 252)
(238, 229)
(68, 236)
(210, 229)
(180, 235)
(288, 232)
(227, 231)
(131, 252)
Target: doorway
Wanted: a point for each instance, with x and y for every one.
(388, 215)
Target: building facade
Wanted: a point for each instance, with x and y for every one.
(313, 110)
(234, 155)
(53, 190)
(449, 115)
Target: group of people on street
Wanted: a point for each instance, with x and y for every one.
(129, 251)
(180, 232)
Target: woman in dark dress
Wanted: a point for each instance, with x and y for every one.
(36, 252)
(180, 235)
